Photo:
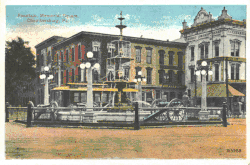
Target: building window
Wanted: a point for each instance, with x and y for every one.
(217, 48)
(58, 60)
(235, 48)
(137, 69)
(232, 72)
(84, 97)
(111, 49)
(95, 76)
(171, 58)
(73, 54)
(62, 75)
(126, 75)
(79, 52)
(56, 78)
(67, 56)
(179, 77)
(149, 56)
(203, 50)
(73, 75)
(171, 76)
(161, 76)
(96, 48)
(67, 76)
(138, 55)
(192, 74)
(161, 59)
(76, 97)
(216, 70)
(97, 97)
(237, 71)
(149, 75)
(62, 57)
(158, 94)
(180, 62)
(192, 53)
(79, 74)
(49, 58)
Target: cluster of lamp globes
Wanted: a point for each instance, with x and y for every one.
(140, 78)
(88, 64)
(203, 72)
(43, 76)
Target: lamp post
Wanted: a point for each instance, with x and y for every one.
(139, 79)
(47, 76)
(90, 64)
(203, 70)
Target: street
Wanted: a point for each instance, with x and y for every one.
(192, 142)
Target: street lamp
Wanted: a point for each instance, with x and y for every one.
(203, 70)
(139, 79)
(47, 76)
(90, 62)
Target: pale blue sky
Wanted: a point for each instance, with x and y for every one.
(152, 21)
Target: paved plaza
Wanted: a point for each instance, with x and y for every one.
(174, 142)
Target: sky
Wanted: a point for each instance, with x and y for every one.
(160, 22)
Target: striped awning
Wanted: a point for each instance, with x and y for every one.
(217, 90)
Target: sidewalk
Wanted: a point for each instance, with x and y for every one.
(159, 143)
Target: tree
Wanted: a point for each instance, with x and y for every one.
(19, 69)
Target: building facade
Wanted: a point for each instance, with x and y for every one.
(222, 43)
(153, 57)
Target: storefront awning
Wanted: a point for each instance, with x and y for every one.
(217, 90)
(94, 89)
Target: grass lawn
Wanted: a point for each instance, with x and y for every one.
(194, 142)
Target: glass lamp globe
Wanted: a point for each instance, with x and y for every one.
(210, 72)
(97, 66)
(51, 76)
(82, 66)
(144, 80)
(198, 72)
(90, 55)
(88, 65)
(139, 80)
(46, 68)
(204, 63)
(140, 73)
(135, 80)
(42, 76)
(203, 72)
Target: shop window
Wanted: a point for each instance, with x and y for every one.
(76, 97)
(83, 97)
(97, 97)
(126, 75)
(158, 94)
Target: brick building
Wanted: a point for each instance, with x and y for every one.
(152, 57)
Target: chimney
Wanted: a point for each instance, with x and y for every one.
(184, 24)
